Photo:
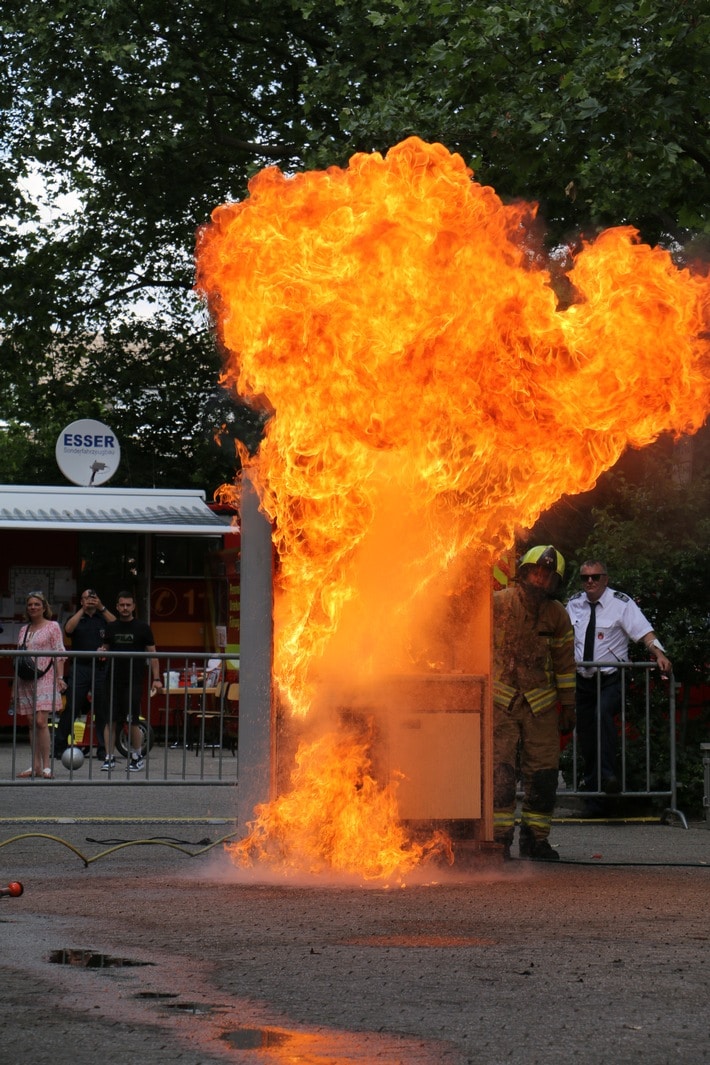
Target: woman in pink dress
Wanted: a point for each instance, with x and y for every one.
(37, 699)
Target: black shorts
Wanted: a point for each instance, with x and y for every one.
(124, 702)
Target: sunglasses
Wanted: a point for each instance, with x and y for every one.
(591, 577)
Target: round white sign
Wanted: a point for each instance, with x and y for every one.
(88, 452)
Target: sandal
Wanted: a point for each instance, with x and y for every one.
(47, 773)
(24, 774)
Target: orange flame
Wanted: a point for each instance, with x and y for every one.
(330, 818)
(429, 394)
(229, 495)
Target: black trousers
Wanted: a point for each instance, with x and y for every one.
(597, 708)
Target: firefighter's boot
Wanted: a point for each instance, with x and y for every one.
(538, 850)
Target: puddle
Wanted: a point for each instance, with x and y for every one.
(89, 959)
(321, 1048)
(189, 1007)
(156, 994)
(205, 1021)
(256, 1038)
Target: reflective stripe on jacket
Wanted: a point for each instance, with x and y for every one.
(533, 650)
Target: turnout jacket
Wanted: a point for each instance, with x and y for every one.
(533, 650)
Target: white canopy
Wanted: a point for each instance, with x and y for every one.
(103, 509)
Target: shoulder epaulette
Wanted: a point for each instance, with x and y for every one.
(576, 595)
(620, 595)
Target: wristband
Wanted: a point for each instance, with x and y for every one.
(658, 644)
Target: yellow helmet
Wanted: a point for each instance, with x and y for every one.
(545, 555)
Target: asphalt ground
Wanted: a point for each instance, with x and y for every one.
(602, 957)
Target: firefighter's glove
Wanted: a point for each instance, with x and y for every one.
(567, 719)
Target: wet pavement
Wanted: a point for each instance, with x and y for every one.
(136, 937)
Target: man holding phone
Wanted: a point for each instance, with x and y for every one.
(87, 676)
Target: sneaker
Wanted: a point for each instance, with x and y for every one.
(539, 850)
(135, 765)
(110, 763)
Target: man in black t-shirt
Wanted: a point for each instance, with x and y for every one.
(87, 676)
(127, 635)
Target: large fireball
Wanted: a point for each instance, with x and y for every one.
(429, 393)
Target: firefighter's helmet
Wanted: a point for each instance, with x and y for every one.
(544, 555)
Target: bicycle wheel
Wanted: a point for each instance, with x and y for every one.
(146, 743)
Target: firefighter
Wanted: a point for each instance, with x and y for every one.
(533, 672)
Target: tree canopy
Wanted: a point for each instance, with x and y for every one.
(124, 123)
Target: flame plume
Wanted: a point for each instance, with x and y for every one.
(429, 394)
(335, 816)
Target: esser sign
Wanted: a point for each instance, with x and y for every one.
(98, 440)
(88, 452)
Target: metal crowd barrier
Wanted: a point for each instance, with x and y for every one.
(705, 750)
(646, 740)
(188, 729)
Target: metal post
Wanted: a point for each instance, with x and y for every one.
(673, 810)
(256, 732)
(705, 748)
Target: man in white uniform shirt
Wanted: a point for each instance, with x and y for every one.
(604, 621)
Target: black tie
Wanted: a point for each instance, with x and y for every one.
(590, 634)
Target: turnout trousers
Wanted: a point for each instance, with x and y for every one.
(531, 741)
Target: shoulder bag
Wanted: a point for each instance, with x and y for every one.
(26, 665)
